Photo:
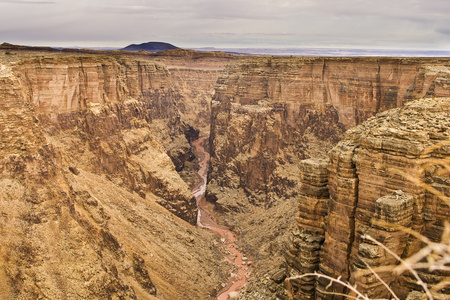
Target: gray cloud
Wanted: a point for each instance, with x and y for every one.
(444, 31)
(26, 2)
(192, 23)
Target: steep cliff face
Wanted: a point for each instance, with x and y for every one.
(389, 173)
(269, 113)
(82, 170)
(116, 110)
(194, 76)
(196, 85)
(304, 253)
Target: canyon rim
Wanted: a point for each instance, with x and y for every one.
(309, 156)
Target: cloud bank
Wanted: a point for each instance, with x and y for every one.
(406, 24)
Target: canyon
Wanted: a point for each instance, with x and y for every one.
(271, 113)
(387, 181)
(92, 205)
(97, 166)
(206, 219)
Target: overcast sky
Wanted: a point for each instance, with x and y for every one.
(399, 24)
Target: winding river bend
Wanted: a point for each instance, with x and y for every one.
(205, 220)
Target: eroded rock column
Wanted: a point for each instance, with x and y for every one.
(392, 213)
(304, 255)
(340, 226)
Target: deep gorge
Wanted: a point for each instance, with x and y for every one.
(96, 168)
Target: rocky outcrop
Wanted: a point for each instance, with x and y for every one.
(270, 113)
(257, 148)
(194, 76)
(392, 213)
(82, 170)
(118, 110)
(388, 174)
(313, 200)
(340, 226)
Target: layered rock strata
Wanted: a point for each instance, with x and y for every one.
(194, 76)
(392, 213)
(304, 255)
(270, 113)
(119, 110)
(389, 173)
(340, 229)
(82, 170)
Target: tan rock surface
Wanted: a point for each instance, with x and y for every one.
(270, 113)
(379, 182)
(118, 109)
(194, 75)
(90, 144)
(82, 170)
(313, 201)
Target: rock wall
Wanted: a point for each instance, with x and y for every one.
(82, 170)
(194, 75)
(313, 200)
(118, 109)
(389, 173)
(270, 113)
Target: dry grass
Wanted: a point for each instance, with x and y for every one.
(433, 256)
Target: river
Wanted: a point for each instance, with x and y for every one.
(205, 219)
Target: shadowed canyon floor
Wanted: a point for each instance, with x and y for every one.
(91, 204)
(268, 115)
(97, 167)
(205, 219)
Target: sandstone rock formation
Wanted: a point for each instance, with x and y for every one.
(389, 173)
(304, 254)
(83, 167)
(392, 212)
(270, 113)
(112, 106)
(195, 80)
(92, 205)
(194, 75)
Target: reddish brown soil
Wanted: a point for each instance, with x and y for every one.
(205, 219)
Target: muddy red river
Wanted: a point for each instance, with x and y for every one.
(205, 219)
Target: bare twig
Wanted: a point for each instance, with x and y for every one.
(423, 185)
(334, 280)
(382, 281)
(414, 272)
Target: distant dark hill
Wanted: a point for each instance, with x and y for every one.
(150, 47)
